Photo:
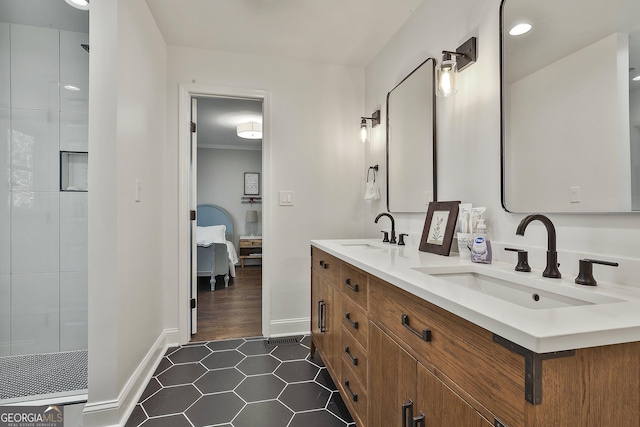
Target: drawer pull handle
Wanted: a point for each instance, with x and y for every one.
(407, 412)
(354, 288)
(419, 420)
(354, 396)
(354, 360)
(347, 316)
(323, 264)
(322, 320)
(424, 336)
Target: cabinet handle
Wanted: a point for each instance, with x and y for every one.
(347, 316)
(323, 264)
(322, 320)
(354, 360)
(419, 420)
(354, 396)
(354, 288)
(407, 412)
(426, 333)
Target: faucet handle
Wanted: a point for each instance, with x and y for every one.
(385, 237)
(585, 272)
(523, 259)
(401, 239)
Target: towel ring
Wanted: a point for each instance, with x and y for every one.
(375, 169)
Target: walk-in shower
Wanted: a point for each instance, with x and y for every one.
(44, 85)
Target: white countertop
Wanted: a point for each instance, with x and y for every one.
(539, 330)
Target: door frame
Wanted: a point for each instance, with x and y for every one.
(186, 91)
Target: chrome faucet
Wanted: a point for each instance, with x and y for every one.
(393, 226)
(551, 270)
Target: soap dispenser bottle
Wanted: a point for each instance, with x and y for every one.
(481, 248)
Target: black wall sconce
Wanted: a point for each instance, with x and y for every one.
(364, 129)
(452, 63)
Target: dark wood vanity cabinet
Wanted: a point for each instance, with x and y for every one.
(401, 361)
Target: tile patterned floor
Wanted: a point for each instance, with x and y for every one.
(241, 383)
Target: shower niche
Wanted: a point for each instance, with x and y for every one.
(74, 171)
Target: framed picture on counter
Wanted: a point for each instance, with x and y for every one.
(439, 227)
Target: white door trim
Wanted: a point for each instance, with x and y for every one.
(186, 91)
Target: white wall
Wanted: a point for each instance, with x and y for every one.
(126, 239)
(468, 132)
(221, 182)
(314, 151)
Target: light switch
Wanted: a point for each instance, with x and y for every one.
(286, 198)
(574, 194)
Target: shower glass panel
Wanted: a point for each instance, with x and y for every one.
(44, 83)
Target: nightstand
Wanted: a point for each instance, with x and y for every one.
(250, 247)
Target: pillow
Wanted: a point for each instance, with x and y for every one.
(205, 236)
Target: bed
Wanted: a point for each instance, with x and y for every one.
(216, 253)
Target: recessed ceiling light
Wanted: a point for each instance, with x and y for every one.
(78, 4)
(519, 29)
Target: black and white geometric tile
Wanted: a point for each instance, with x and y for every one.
(241, 383)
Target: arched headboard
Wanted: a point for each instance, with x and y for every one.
(214, 215)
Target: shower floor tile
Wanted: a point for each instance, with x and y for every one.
(241, 383)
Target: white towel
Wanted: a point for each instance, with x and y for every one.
(371, 190)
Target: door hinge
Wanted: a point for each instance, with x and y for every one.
(193, 303)
(192, 215)
(193, 127)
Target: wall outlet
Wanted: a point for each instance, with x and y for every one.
(286, 198)
(138, 190)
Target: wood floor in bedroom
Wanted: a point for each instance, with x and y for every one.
(233, 312)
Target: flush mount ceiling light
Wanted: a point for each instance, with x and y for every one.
(249, 130)
(71, 87)
(520, 29)
(364, 128)
(79, 4)
(452, 63)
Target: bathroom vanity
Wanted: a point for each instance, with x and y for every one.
(416, 339)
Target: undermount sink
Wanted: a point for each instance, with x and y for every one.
(369, 246)
(521, 294)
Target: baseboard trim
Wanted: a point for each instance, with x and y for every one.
(116, 412)
(288, 327)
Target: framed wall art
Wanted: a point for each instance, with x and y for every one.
(251, 183)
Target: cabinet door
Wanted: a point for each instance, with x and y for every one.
(441, 406)
(392, 381)
(318, 310)
(325, 320)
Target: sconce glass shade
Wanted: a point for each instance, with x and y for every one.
(250, 130)
(446, 78)
(78, 4)
(364, 131)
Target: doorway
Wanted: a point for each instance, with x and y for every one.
(228, 168)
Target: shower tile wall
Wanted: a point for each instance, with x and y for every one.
(43, 232)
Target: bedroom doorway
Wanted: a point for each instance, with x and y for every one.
(227, 171)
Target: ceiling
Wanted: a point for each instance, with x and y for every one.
(342, 32)
(218, 118)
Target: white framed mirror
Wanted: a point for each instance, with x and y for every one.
(411, 141)
(570, 106)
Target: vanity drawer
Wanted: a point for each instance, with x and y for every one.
(463, 353)
(355, 321)
(326, 265)
(354, 356)
(354, 284)
(354, 394)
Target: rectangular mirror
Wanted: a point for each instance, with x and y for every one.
(570, 106)
(411, 147)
